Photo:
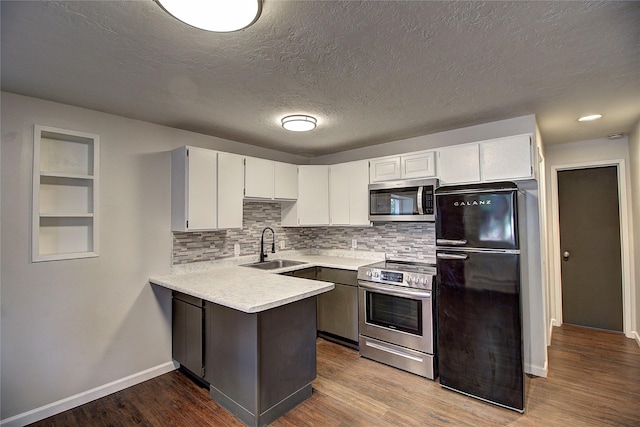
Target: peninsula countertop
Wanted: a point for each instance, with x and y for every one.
(252, 290)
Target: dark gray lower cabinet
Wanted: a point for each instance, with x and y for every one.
(260, 365)
(188, 333)
(338, 308)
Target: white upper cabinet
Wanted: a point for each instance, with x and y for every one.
(312, 206)
(313, 196)
(285, 177)
(410, 166)
(230, 190)
(193, 189)
(65, 194)
(269, 180)
(420, 165)
(349, 193)
(258, 178)
(339, 194)
(459, 164)
(206, 189)
(385, 169)
(507, 158)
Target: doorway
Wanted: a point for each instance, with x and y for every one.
(590, 247)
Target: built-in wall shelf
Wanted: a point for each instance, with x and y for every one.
(65, 194)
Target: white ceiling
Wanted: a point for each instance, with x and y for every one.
(370, 71)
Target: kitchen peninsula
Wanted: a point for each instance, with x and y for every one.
(260, 332)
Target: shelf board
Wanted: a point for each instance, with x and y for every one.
(66, 215)
(66, 175)
(60, 256)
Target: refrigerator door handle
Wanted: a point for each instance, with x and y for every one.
(451, 242)
(451, 256)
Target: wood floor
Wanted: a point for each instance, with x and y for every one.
(594, 380)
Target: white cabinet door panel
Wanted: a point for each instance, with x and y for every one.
(339, 194)
(385, 169)
(422, 165)
(506, 158)
(359, 193)
(201, 189)
(313, 195)
(285, 181)
(230, 190)
(459, 164)
(258, 179)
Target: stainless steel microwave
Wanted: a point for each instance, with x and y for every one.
(411, 200)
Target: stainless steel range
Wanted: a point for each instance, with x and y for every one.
(396, 315)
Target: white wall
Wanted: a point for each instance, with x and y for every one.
(634, 154)
(71, 326)
(593, 152)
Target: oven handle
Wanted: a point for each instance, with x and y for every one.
(400, 293)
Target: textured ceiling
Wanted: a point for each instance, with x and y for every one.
(370, 71)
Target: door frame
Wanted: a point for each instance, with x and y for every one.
(628, 308)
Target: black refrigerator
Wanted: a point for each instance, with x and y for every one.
(479, 326)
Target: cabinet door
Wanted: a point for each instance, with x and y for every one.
(385, 169)
(230, 190)
(459, 164)
(339, 194)
(359, 193)
(421, 165)
(187, 333)
(506, 158)
(201, 189)
(313, 195)
(285, 181)
(258, 178)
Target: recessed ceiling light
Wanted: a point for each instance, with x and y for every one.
(589, 118)
(299, 123)
(218, 16)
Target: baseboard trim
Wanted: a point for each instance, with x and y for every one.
(86, 396)
(537, 370)
(636, 337)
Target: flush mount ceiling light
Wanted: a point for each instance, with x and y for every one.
(589, 118)
(299, 123)
(214, 15)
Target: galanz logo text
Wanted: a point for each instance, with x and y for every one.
(472, 203)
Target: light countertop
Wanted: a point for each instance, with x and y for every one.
(252, 290)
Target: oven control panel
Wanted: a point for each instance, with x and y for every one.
(398, 278)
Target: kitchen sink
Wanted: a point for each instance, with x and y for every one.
(274, 264)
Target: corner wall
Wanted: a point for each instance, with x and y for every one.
(71, 328)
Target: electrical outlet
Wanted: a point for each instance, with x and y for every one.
(236, 249)
(354, 244)
(282, 244)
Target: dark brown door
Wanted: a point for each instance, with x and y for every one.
(590, 247)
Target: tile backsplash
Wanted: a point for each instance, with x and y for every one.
(414, 241)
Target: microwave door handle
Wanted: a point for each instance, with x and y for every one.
(420, 201)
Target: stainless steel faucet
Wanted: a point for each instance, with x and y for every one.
(263, 254)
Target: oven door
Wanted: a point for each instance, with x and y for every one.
(397, 315)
